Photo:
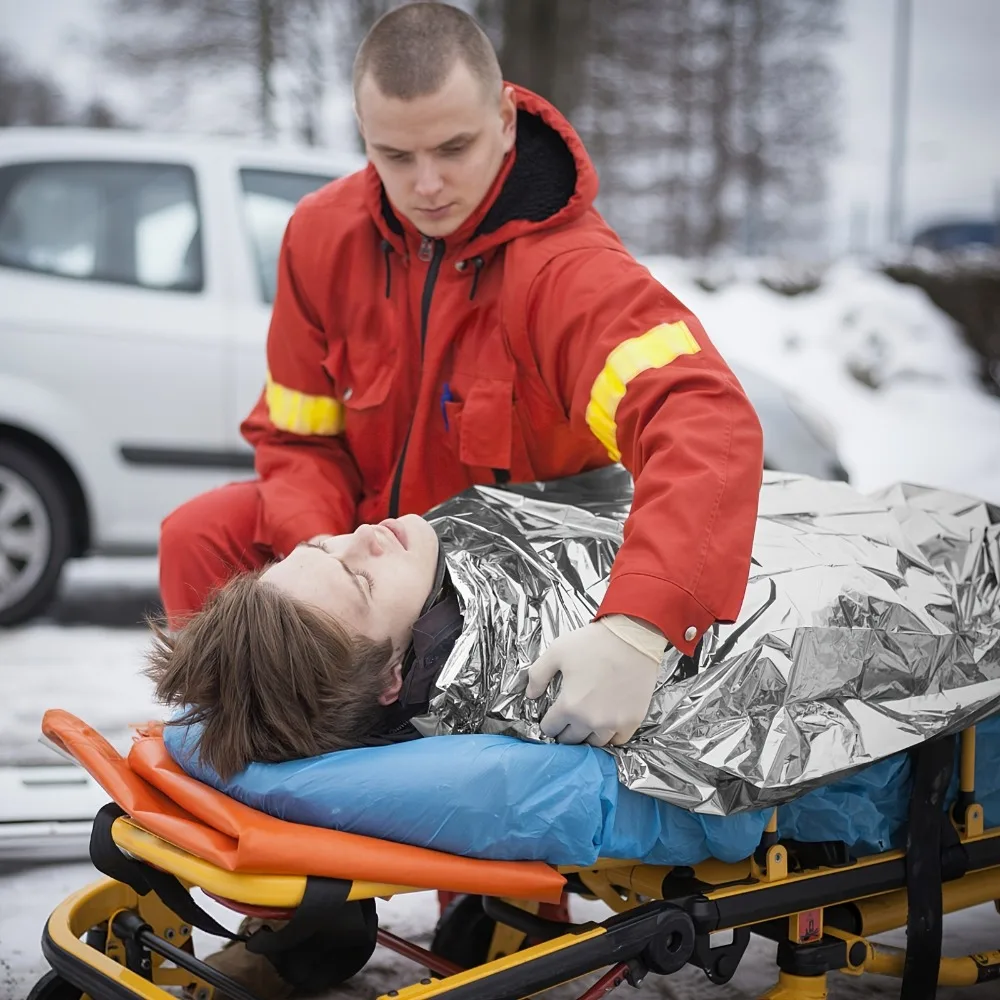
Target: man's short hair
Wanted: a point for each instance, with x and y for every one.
(410, 51)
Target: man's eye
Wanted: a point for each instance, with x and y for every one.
(398, 157)
(454, 150)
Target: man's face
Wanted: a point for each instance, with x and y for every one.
(437, 155)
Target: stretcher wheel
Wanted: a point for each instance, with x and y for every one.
(334, 953)
(52, 986)
(464, 933)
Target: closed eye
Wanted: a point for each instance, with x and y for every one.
(354, 574)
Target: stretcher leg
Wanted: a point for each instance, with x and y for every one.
(792, 987)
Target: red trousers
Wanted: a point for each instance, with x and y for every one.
(206, 542)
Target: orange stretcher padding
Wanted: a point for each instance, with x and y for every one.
(158, 795)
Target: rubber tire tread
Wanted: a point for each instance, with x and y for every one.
(44, 481)
(53, 987)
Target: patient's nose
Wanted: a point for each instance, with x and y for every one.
(366, 541)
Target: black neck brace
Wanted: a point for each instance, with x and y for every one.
(434, 637)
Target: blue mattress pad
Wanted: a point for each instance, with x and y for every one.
(498, 797)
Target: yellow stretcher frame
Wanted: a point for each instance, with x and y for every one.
(751, 888)
(98, 902)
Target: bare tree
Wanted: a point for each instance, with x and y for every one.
(185, 38)
(355, 18)
(28, 98)
(786, 116)
(542, 46)
(710, 121)
(309, 38)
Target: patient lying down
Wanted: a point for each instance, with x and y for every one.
(866, 621)
(311, 654)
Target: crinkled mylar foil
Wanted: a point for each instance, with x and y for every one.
(870, 624)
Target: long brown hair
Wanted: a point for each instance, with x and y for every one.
(267, 677)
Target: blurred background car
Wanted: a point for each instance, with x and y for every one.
(952, 235)
(136, 279)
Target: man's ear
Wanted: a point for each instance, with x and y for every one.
(393, 686)
(360, 125)
(508, 116)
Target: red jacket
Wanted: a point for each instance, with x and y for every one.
(527, 345)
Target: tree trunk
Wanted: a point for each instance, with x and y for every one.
(720, 114)
(544, 47)
(265, 68)
(753, 166)
(311, 78)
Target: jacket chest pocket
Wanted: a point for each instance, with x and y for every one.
(484, 431)
(370, 424)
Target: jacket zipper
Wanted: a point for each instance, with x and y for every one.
(425, 309)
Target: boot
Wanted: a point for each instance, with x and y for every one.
(255, 972)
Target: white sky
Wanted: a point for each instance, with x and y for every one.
(953, 163)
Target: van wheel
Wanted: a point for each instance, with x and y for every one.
(35, 533)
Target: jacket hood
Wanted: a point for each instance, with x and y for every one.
(546, 181)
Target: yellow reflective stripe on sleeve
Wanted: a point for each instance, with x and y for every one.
(300, 413)
(654, 349)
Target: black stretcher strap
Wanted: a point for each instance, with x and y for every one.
(326, 940)
(323, 898)
(108, 858)
(933, 855)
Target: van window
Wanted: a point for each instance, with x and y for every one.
(131, 223)
(269, 198)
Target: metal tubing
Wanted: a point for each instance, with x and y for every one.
(608, 982)
(130, 925)
(884, 960)
(888, 911)
(967, 767)
(417, 954)
(537, 928)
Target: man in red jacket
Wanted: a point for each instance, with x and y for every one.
(459, 313)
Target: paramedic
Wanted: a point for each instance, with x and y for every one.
(458, 312)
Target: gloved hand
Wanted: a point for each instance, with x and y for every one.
(608, 672)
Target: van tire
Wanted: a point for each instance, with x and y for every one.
(49, 503)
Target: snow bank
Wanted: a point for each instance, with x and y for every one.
(887, 368)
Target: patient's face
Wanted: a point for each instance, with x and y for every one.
(374, 581)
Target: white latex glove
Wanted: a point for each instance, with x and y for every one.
(608, 672)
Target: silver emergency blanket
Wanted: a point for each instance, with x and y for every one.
(870, 624)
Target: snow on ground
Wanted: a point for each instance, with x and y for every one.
(91, 672)
(886, 369)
